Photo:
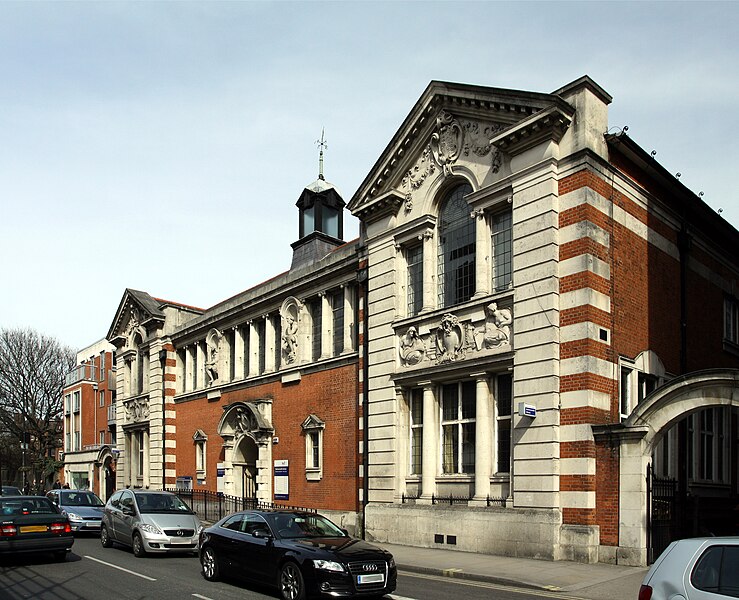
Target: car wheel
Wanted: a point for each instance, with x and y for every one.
(291, 584)
(138, 546)
(209, 560)
(105, 537)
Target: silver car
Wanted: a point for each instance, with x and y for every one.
(82, 507)
(695, 569)
(150, 521)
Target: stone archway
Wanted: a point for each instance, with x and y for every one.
(638, 436)
(246, 429)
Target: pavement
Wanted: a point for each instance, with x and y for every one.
(574, 580)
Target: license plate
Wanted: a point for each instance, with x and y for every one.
(371, 578)
(34, 528)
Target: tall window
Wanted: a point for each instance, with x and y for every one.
(277, 321)
(458, 427)
(416, 431)
(313, 428)
(504, 400)
(317, 325)
(731, 320)
(101, 394)
(502, 252)
(140, 448)
(456, 260)
(337, 307)
(76, 401)
(247, 351)
(261, 330)
(414, 287)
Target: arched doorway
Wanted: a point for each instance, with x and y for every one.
(247, 434)
(246, 454)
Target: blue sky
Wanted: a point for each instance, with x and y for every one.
(162, 145)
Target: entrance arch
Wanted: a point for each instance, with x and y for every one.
(642, 432)
(247, 433)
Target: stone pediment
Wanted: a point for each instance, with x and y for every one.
(451, 124)
(136, 312)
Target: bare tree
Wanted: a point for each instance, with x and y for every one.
(32, 371)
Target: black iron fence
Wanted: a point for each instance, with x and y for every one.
(212, 506)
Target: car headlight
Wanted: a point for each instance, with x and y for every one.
(329, 565)
(153, 529)
(74, 517)
(391, 562)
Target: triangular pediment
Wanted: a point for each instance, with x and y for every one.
(136, 311)
(449, 123)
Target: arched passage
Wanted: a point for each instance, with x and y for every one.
(664, 415)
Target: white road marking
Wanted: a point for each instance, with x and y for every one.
(394, 597)
(202, 597)
(102, 562)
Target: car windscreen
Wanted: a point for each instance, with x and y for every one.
(299, 525)
(152, 503)
(79, 499)
(20, 505)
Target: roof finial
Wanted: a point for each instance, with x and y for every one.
(321, 144)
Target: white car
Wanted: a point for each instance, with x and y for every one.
(695, 569)
(150, 522)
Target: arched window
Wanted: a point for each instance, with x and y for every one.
(456, 249)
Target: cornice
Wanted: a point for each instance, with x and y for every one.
(549, 124)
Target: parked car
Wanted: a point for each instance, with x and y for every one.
(149, 521)
(301, 553)
(83, 508)
(33, 524)
(10, 490)
(694, 569)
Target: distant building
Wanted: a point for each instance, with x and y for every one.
(89, 398)
(256, 396)
(552, 316)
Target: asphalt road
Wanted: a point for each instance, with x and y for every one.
(92, 572)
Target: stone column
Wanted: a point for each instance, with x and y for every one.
(429, 271)
(253, 350)
(430, 443)
(482, 254)
(348, 318)
(269, 344)
(327, 325)
(200, 374)
(238, 352)
(483, 440)
(189, 375)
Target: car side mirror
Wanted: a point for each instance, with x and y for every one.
(345, 532)
(128, 510)
(262, 534)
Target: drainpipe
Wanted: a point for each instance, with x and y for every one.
(363, 279)
(163, 366)
(684, 242)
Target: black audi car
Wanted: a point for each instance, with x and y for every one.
(303, 554)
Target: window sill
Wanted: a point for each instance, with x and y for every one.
(313, 474)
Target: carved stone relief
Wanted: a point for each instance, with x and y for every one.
(213, 344)
(290, 317)
(451, 138)
(412, 348)
(136, 409)
(450, 339)
(497, 330)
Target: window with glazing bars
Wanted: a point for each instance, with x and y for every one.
(317, 325)
(458, 406)
(504, 399)
(337, 307)
(416, 431)
(261, 330)
(414, 288)
(456, 256)
(502, 240)
(247, 351)
(277, 321)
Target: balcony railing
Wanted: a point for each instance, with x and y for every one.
(82, 373)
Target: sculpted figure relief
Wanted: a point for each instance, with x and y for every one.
(290, 312)
(497, 326)
(449, 339)
(213, 343)
(412, 348)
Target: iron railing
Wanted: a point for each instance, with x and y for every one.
(213, 506)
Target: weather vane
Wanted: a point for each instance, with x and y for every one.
(321, 144)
